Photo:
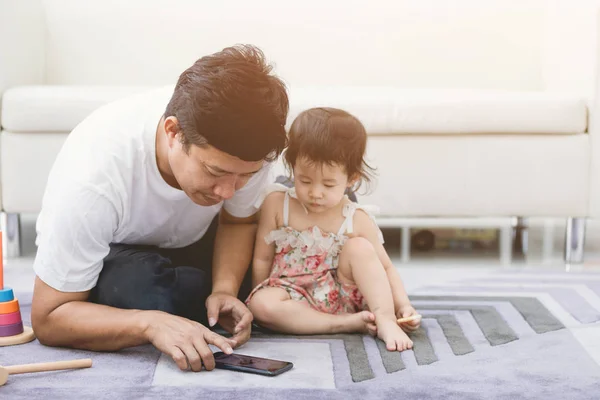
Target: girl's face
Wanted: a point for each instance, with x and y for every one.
(319, 187)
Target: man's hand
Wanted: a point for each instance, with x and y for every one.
(408, 311)
(184, 340)
(231, 314)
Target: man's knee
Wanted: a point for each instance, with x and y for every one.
(135, 280)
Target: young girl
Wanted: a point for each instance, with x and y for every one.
(319, 264)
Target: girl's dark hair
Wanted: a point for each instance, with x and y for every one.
(229, 100)
(330, 136)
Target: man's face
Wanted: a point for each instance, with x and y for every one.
(208, 175)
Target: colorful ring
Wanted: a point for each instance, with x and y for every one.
(9, 307)
(9, 319)
(11, 330)
(6, 294)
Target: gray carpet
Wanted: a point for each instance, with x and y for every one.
(509, 336)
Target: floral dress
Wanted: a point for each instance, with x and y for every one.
(305, 263)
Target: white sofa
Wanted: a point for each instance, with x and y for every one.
(474, 108)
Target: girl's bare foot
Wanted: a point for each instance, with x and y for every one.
(394, 337)
(363, 322)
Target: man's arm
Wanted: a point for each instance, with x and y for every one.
(73, 239)
(236, 233)
(232, 254)
(68, 320)
(234, 243)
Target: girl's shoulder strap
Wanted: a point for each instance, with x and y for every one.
(348, 212)
(278, 187)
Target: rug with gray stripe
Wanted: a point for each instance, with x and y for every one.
(506, 336)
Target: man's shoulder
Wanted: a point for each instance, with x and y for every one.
(115, 135)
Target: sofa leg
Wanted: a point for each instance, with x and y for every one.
(574, 241)
(11, 235)
(405, 245)
(506, 245)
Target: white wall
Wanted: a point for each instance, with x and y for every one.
(22, 43)
(571, 46)
(406, 43)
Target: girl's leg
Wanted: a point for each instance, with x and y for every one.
(273, 308)
(360, 265)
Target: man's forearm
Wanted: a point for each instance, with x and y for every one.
(83, 325)
(234, 245)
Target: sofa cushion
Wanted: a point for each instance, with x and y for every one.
(55, 108)
(387, 111)
(384, 111)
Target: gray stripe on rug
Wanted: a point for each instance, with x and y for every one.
(360, 368)
(371, 346)
(538, 316)
(422, 347)
(535, 313)
(454, 334)
(494, 327)
(392, 360)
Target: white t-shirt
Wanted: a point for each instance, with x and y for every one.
(105, 187)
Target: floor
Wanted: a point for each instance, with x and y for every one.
(423, 269)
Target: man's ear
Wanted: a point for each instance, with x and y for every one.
(172, 130)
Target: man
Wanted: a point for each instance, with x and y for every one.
(141, 193)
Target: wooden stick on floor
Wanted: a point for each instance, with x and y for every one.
(42, 367)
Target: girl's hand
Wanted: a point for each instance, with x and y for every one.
(408, 311)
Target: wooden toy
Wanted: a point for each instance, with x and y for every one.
(411, 318)
(12, 330)
(42, 367)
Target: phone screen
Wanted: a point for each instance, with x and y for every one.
(262, 364)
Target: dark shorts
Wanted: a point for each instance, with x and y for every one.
(176, 281)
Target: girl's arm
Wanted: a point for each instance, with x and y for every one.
(263, 252)
(365, 227)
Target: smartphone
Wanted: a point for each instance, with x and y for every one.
(253, 365)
